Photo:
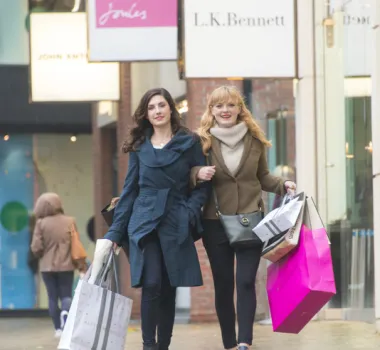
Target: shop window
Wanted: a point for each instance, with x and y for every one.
(280, 131)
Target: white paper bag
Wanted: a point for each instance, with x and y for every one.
(276, 248)
(98, 319)
(280, 219)
(65, 341)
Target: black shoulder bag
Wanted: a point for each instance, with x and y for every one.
(239, 227)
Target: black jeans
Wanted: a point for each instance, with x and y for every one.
(158, 296)
(222, 261)
(59, 286)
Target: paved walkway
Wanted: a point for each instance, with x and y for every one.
(32, 334)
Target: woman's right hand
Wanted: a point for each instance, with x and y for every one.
(116, 248)
(206, 173)
(114, 201)
(102, 250)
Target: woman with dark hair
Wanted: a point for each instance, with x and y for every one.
(158, 213)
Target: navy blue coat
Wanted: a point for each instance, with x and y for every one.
(156, 196)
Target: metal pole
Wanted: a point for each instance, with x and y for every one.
(354, 270)
(376, 155)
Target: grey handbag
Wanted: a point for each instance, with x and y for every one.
(239, 227)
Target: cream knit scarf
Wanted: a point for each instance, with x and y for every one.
(232, 145)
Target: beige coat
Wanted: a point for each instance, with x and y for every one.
(240, 194)
(52, 235)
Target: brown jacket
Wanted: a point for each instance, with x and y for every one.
(52, 235)
(240, 194)
(52, 243)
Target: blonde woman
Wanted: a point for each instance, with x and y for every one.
(236, 146)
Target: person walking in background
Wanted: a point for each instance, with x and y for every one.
(51, 243)
(158, 214)
(239, 173)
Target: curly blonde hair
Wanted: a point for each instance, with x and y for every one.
(226, 94)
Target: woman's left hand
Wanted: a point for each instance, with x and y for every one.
(206, 173)
(290, 187)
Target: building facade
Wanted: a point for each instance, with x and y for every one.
(322, 123)
(335, 133)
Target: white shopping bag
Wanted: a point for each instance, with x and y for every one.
(98, 318)
(280, 219)
(281, 245)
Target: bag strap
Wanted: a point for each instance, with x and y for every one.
(110, 264)
(115, 273)
(73, 230)
(209, 162)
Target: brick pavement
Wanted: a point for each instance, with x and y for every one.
(32, 334)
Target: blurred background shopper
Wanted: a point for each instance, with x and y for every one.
(51, 243)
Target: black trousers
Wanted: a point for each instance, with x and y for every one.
(158, 296)
(59, 286)
(222, 261)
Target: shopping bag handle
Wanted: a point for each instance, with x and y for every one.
(287, 198)
(115, 272)
(111, 264)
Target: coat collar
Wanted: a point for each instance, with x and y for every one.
(217, 152)
(156, 158)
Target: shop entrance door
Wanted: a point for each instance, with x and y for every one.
(348, 167)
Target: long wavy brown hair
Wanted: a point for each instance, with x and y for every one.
(226, 94)
(140, 118)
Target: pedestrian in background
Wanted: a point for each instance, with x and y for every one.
(239, 173)
(158, 214)
(51, 243)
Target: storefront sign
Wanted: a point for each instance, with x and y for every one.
(132, 30)
(59, 67)
(241, 38)
(14, 38)
(357, 36)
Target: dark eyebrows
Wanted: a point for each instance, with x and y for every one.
(159, 103)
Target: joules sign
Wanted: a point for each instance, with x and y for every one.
(135, 13)
(117, 29)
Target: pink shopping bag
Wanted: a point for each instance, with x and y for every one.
(301, 283)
